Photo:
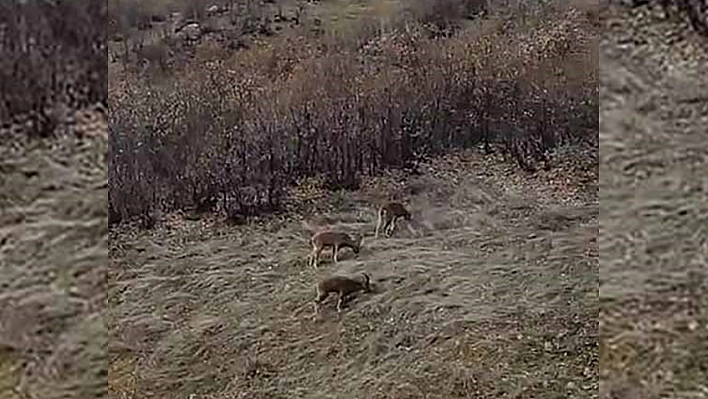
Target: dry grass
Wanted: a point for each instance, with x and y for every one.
(491, 293)
(53, 252)
(10, 373)
(654, 210)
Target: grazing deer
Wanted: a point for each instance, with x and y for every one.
(388, 214)
(334, 239)
(343, 287)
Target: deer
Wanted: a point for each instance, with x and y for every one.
(388, 214)
(343, 287)
(334, 239)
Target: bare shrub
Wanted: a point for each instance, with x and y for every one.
(233, 138)
(156, 55)
(130, 16)
(443, 17)
(137, 14)
(166, 48)
(52, 55)
(195, 10)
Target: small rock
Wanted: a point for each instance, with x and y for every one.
(190, 32)
(693, 325)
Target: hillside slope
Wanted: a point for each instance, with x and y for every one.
(491, 293)
(654, 155)
(53, 259)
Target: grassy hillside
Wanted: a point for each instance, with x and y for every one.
(653, 323)
(233, 140)
(53, 199)
(491, 292)
(53, 258)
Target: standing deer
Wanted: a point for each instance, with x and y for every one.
(343, 287)
(388, 214)
(333, 239)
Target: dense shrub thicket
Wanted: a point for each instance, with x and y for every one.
(235, 134)
(52, 55)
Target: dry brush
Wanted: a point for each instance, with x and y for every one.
(233, 135)
(52, 58)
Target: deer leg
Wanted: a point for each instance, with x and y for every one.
(379, 222)
(317, 309)
(339, 303)
(311, 257)
(392, 226)
(317, 257)
(321, 296)
(335, 252)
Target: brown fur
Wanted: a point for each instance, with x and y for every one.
(388, 214)
(342, 286)
(334, 239)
